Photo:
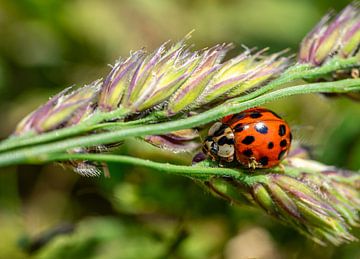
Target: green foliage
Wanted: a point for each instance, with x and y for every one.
(139, 213)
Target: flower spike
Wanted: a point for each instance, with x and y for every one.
(63, 110)
(322, 202)
(337, 37)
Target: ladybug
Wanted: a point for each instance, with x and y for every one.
(255, 138)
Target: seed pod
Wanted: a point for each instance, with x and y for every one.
(118, 81)
(338, 37)
(321, 202)
(189, 92)
(177, 141)
(63, 110)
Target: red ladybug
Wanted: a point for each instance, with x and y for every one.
(256, 138)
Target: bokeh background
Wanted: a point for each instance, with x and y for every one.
(50, 212)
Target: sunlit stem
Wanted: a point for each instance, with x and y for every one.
(41, 153)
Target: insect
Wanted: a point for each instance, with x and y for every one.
(255, 138)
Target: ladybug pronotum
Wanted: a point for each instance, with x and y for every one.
(256, 138)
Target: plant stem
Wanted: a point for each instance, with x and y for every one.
(41, 152)
(87, 125)
(122, 124)
(300, 72)
(293, 73)
(200, 173)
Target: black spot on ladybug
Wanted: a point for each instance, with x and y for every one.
(255, 115)
(239, 127)
(247, 152)
(277, 116)
(208, 138)
(270, 145)
(248, 140)
(261, 128)
(264, 160)
(281, 154)
(222, 141)
(282, 130)
(220, 131)
(230, 141)
(238, 116)
(283, 143)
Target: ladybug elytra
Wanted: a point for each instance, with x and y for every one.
(256, 138)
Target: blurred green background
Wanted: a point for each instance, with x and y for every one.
(50, 212)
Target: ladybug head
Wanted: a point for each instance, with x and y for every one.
(219, 144)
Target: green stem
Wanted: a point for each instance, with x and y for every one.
(190, 171)
(300, 72)
(86, 126)
(293, 73)
(41, 152)
(122, 124)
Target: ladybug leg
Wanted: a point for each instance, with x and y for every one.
(224, 161)
(221, 163)
(229, 159)
(355, 73)
(253, 164)
(211, 156)
(282, 168)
